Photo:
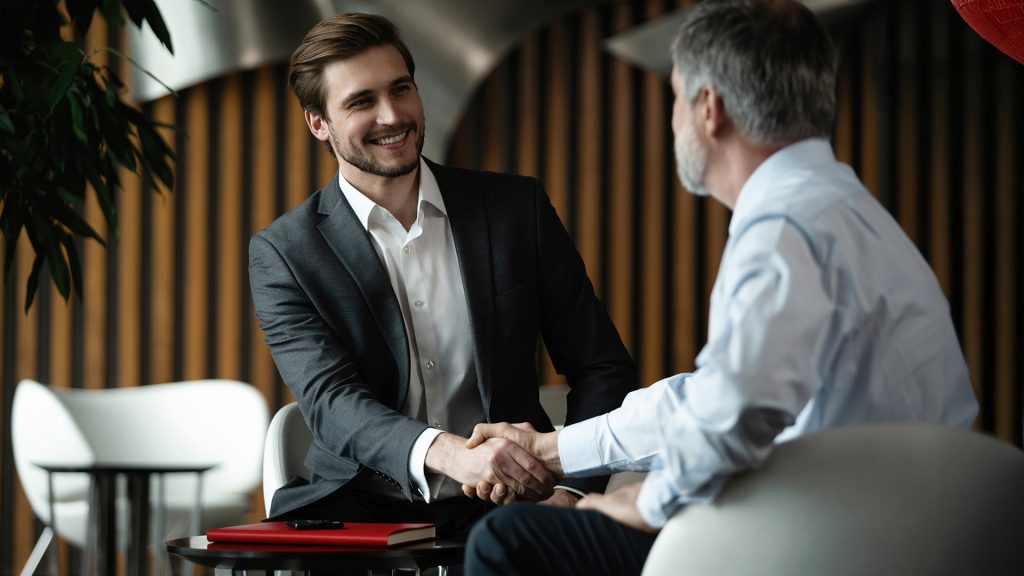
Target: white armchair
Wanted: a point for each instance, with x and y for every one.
(910, 499)
(206, 421)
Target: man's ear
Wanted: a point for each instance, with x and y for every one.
(317, 125)
(711, 111)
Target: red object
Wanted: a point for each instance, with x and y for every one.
(1000, 22)
(353, 534)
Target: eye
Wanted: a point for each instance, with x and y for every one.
(401, 89)
(360, 103)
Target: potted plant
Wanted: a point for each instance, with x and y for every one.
(65, 128)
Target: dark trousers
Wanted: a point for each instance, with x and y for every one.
(534, 540)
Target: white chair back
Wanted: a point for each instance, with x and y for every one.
(284, 453)
(219, 422)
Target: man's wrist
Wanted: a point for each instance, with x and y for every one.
(417, 461)
(442, 453)
(547, 453)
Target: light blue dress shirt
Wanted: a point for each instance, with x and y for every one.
(823, 314)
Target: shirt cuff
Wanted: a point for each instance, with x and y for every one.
(417, 459)
(578, 450)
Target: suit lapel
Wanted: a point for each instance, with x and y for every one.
(351, 243)
(467, 216)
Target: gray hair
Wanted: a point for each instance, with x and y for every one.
(770, 61)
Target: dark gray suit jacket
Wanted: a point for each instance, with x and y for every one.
(333, 324)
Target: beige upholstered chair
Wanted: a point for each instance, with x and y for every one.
(907, 499)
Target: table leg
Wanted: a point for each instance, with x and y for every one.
(138, 498)
(55, 544)
(105, 497)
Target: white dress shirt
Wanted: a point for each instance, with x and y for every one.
(425, 275)
(823, 314)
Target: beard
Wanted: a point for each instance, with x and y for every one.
(691, 160)
(364, 161)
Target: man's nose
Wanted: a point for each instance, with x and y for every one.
(386, 112)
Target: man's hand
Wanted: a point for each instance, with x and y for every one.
(499, 493)
(543, 446)
(502, 496)
(620, 506)
(494, 461)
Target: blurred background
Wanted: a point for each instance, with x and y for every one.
(569, 92)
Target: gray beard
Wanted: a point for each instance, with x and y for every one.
(691, 161)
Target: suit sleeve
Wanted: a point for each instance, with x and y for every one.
(583, 343)
(346, 417)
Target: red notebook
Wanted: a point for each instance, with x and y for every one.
(353, 534)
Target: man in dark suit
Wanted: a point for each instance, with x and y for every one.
(403, 301)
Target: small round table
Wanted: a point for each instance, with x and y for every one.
(241, 557)
(103, 506)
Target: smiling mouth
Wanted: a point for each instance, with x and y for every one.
(390, 140)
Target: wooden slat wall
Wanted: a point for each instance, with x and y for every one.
(928, 116)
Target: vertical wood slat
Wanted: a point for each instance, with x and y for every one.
(555, 146)
(652, 283)
(95, 259)
(228, 242)
(262, 371)
(26, 329)
(1008, 262)
(588, 138)
(905, 174)
(620, 177)
(196, 243)
(940, 240)
(971, 221)
(163, 215)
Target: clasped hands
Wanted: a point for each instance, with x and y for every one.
(501, 463)
(541, 447)
(524, 463)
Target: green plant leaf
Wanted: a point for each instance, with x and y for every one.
(10, 220)
(73, 262)
(76, 118)
(81, 13)
(33, 280)
(139, 10)
(71, 58)
(74, 221)
(5, 121)
(142, 69)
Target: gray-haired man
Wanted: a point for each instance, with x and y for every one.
(824, 314)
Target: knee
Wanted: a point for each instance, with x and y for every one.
(493, 540)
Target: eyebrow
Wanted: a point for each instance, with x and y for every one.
(362, 93)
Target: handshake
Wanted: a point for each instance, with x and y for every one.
(501, 463)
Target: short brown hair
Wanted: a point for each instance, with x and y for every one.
(339, 37)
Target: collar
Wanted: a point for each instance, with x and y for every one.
(429, 194)
(756, 190)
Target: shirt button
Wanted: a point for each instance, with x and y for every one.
(418, 304)
(437, 423)
(407, 249)
(430, 364)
